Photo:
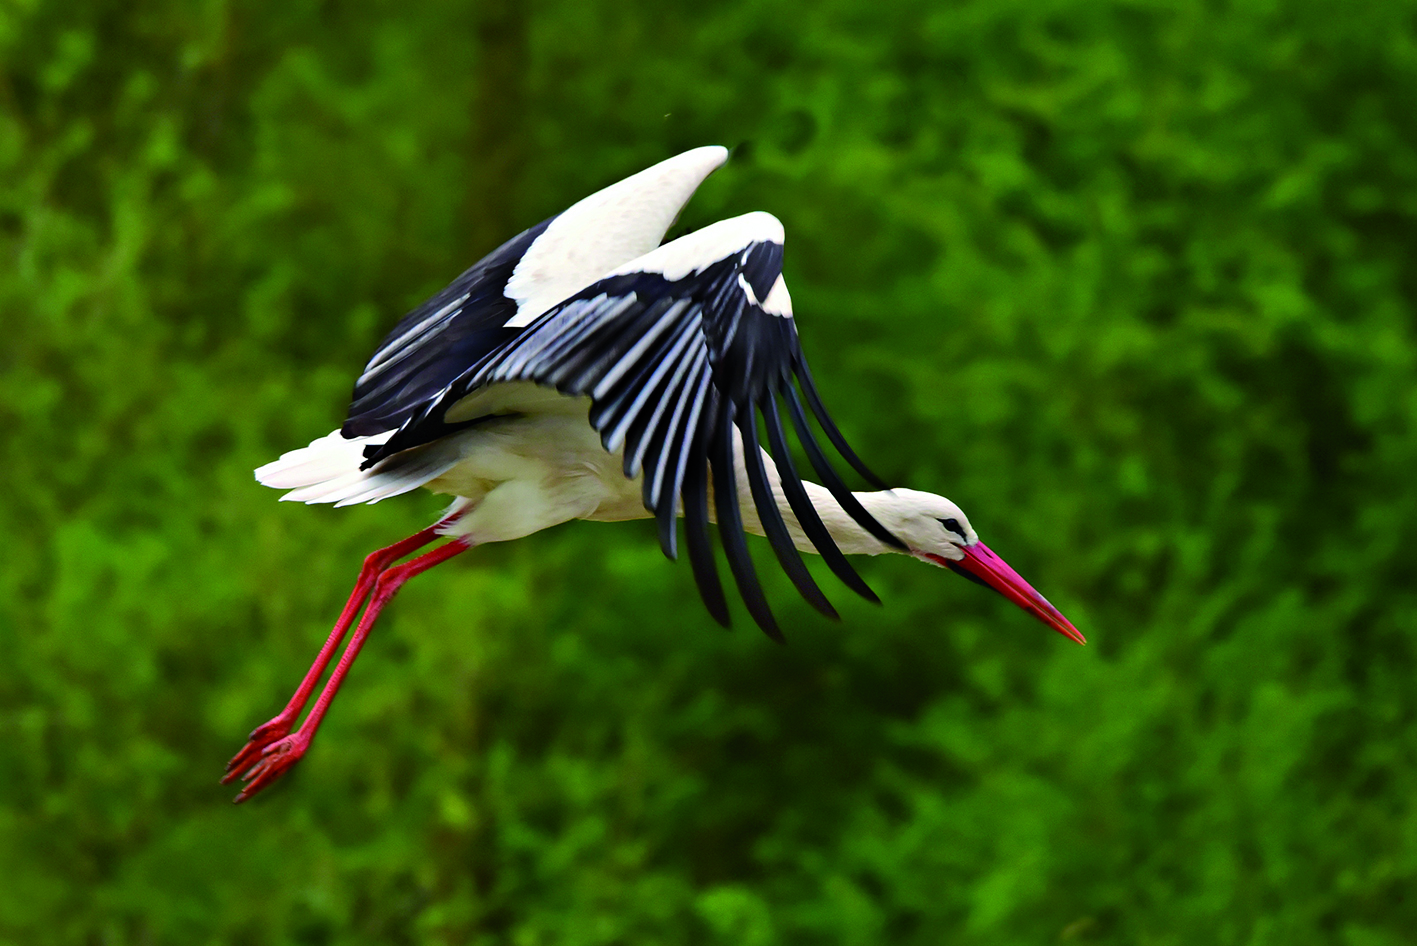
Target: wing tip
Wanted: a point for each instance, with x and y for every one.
(707, 157)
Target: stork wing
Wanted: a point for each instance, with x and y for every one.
(434, 344)
(676, 350)
(498, 297)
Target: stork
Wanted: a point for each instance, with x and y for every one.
(584, 371)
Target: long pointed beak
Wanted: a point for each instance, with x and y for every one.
(981, 565)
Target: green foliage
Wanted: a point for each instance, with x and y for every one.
(1133, 281)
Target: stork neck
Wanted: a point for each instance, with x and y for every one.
(849, 536)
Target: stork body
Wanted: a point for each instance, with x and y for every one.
(582, 371)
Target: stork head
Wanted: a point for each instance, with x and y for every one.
(937, 531)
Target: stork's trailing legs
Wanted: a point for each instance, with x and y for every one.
(256, 757)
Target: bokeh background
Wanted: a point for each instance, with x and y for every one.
(1133, 281)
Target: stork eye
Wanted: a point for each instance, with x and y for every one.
(953, 526)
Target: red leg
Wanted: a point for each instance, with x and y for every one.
(375, 563)
(279, 756)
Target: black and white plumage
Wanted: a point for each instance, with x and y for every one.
(677, 350)
(581, 370)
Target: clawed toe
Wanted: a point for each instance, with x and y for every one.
(259, 766)
(261, 737)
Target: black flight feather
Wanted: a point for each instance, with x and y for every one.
(814, 401)
(839, 490)
(730, 525)
(806, 513)
(771, 517)
(696, 535)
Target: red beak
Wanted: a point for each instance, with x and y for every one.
(981, 565)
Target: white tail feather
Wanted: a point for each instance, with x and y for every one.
(328, 471)
(329, 457)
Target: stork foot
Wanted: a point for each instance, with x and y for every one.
(273, 761)
(262, 736)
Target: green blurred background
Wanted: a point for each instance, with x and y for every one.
(1133, 281)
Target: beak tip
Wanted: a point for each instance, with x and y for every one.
(1065, 627)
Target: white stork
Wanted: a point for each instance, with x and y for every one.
(584, 371)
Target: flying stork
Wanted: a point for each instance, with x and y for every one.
(584, 371)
